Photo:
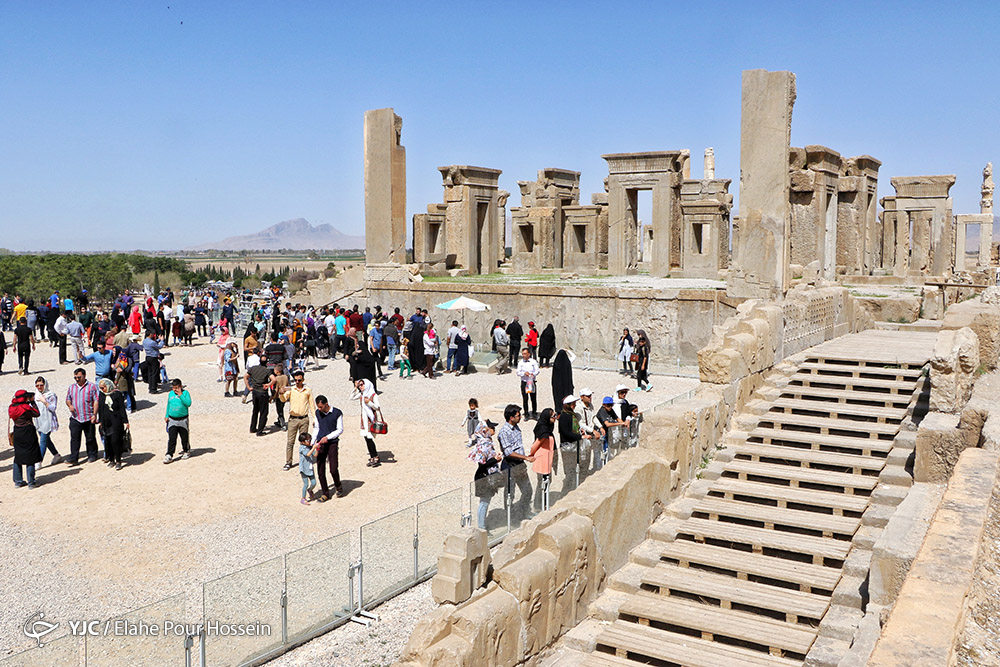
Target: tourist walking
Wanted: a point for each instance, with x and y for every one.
(23, 437)
(75, 333)
(514, 458)
(501, 341)
(82, 399)
(625, 347)
(515, 333)
(300, 401)
(452, 337)
(328, 428)
(471, 421)
(177, 420)
(24, 339)
(562, 379)
(231, 367)
(543, 451)
(307, 457)
(258, 378)
(463, 351)
(60, 329)
(364, 392)
(547, 346)
(487, 459)
(531, 340)
(114, 422)
(404, 359)
(642, 363)
(47, 422)
(278, 386)
(430, 351)
(527, 372)
(151, 345)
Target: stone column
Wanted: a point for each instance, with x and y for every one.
(765, 211)
(986, 203)
(385, 188)
(502, 197)
(709, 163)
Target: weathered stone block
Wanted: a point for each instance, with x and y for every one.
(531, 580)
(955, 360)
(984, 320)
(462, 566)
(939, 444)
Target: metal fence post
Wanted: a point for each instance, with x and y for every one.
(188, 644)
(416, 543)
(284, 615)
(203, 659)
(509, 495)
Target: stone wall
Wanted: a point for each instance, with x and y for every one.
(586, 319)
(928, 615)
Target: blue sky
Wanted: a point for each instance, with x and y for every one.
(165, 124)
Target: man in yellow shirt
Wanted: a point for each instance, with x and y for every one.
(300, 399)
(20, 309)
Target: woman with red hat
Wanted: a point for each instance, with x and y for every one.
(23, 437)
(531, 340)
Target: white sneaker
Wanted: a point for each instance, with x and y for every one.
(185, 455)
(167, 459)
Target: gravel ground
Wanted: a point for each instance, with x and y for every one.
(93, 543)
(979, 643)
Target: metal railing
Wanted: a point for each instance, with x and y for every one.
(253, 615)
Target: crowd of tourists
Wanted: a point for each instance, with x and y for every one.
(126, 341)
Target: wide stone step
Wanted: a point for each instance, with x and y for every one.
(905, 387)
(810, 458)
(785, 496)
(641, 643)
(776, 636)
(825, 525)
(700, 557)
(833, 443)
(849, 396)
(761, 540)
(839, 410)
(866, 371)
(795, 476)
(793, 606)
(826, 425)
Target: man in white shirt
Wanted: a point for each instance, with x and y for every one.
(452, 346)
(60, 328)
(527, 371)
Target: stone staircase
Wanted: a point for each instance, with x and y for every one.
(764, 561)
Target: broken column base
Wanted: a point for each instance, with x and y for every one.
(462, 566)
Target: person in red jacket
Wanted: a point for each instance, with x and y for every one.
(531, 340)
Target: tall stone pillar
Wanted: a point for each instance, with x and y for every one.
(986, 203)
(765, 211)
(709, 163)
(385, 188)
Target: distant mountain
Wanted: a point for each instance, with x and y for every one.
(298, 234)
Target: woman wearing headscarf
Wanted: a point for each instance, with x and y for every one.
(463, 351)
(416, 346)
(46, 423)
(546, 346)
(364, 392)
(23, 438)
(642, 362)
(135, 319)
(543, 449)
(625, 347)
(562, 379)
(114, 422)
(222, 343)
(485, 454)
(364, 364)
(430, 350)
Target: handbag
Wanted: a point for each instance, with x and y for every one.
(634, 358)
(378, 426)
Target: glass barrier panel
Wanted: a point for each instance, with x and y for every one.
(149, 636)
(387, 555)
(489, 511)
(524, 492)
(437, 518)
(64, 652)
(317, 585)
(242, 616)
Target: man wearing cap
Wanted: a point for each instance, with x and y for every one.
(587, 414)
(625, 409)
